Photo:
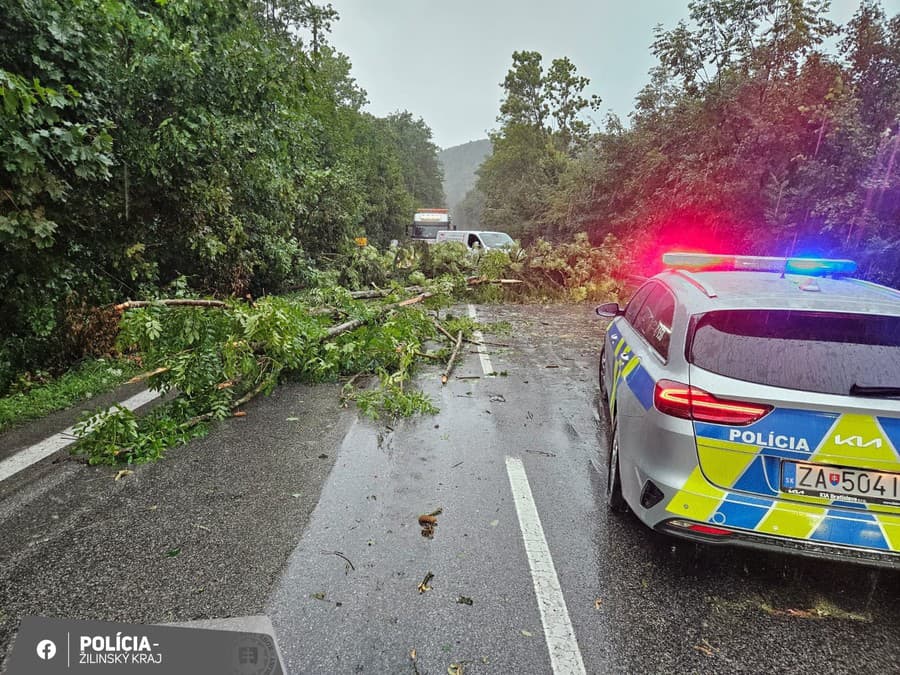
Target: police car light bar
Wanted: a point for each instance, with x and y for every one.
(755, 263)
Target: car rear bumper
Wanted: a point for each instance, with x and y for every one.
(662, 453)
(806, 548)
(733, 517)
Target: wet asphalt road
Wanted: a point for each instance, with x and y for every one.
(259, 517)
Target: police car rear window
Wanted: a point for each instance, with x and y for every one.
(810, 351)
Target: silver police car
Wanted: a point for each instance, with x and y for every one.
(756, 401)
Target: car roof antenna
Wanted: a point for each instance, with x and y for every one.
(788, 256)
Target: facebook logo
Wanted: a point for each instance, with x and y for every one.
(46, 650)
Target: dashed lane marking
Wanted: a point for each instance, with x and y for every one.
(482, 352)
(565, 657)
(35, 453)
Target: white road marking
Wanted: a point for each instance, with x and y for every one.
(482, 352)
(35, 453)
(565, 657)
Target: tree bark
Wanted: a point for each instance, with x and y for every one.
(347, 326)
(449, 369)
(177, 302)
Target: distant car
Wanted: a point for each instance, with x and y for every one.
(476, 238)
(756, 401)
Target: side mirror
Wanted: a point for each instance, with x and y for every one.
(609, 310)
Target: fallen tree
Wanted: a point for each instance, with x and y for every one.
(218, 361)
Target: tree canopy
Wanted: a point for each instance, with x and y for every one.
(764, 128)
(217, 142)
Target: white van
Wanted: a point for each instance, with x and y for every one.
(476, 238)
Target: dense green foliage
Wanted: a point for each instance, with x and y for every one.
(752, 136)
(541, 131)
(221, 141)
(35, 396)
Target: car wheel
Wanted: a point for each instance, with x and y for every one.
(602, 370)
(614, 499)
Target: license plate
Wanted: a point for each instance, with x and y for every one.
(832, 482)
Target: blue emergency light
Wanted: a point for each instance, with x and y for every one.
(754, 263)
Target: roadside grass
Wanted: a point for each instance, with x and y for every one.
(82, 382)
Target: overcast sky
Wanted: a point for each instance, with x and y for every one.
(443, 60)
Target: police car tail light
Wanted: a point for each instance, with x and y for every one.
(691, 403)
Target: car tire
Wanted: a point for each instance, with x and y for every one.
(603, 393)
(614, 498)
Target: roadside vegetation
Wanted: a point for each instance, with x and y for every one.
(37, 394)
(764, 128)
(219, 142)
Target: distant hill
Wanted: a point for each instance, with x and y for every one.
(460, 163)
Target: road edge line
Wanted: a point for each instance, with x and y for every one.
(33, 454)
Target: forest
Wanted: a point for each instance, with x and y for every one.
(217, 147)
(187, 148)
(764, 128)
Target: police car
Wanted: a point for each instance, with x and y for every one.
(756, 401)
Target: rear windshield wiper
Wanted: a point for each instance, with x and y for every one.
(876, 392)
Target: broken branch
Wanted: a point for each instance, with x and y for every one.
(443, 330)
(174, 302)
(477, 281)
(149, 374)
(380, 292)
(449, 369)
(347, 326)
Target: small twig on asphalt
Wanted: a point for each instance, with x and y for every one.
(339, 555)
(492, 344)
(456, 465)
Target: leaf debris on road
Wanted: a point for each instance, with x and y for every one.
(705, 648)
(123, 472)
(424, 585)
(464, 600)
(428, 521)
(348, 564)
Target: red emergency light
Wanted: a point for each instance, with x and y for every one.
(756, 263)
